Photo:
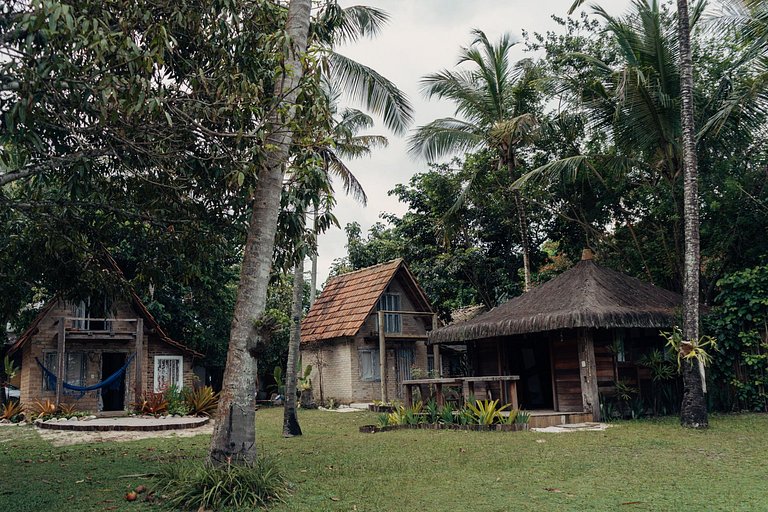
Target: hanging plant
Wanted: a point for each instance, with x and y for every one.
(695, 350)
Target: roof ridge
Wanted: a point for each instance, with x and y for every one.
(398, 260)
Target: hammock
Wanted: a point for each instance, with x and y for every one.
(111, 382)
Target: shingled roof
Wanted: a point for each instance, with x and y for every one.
(587, 295)
(346, 301)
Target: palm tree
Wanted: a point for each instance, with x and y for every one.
(496, 101)
(693, 412)
(344, 143)
(234, 436)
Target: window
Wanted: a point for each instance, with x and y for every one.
(618, 346)
(74, 371)
(169, 371)
(88, 309)
(390, 302)
(369, 365)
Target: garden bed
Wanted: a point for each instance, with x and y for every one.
(371, 429)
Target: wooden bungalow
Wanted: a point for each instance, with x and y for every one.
(352, 358)
(569, 339)
(108, 353)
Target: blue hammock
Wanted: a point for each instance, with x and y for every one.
(111, 382)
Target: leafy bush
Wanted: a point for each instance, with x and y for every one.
(447, 414)
(12, 411)
(201, 401)
(151, 403)
(176, 402)
(739, 321)
(195, 486)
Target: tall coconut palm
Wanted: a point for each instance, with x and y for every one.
(496, 102)
(693, 412)
(234, 437)
(342, 142)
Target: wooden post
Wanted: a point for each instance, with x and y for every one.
(588, 372)
(60, 362)
(382, 357)
(139, 359)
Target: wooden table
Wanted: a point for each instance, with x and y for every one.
(438, 383)
(510, 388)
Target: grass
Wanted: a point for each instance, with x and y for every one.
(641, 465)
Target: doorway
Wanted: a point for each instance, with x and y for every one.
(530, 360)
(113, 396)
(404, 357)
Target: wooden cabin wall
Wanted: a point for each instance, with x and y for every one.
(565, 364)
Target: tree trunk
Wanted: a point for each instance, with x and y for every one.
(522, 221)
(313, 274)
(290, 421)
(693, 412)
(234, 437)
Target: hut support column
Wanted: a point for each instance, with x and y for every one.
(436, 351)
(60, 361)
(588, 372)
(383, 357)
(139, 388)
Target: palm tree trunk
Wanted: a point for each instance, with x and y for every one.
(522, 220)
(290, 421)
(693, 412)
(313, 273)
(234, 437)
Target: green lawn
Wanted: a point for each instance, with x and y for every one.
(645, 465)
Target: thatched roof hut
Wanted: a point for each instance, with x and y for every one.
(587, 295)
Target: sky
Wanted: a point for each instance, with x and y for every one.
(422, 37)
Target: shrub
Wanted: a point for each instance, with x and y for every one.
(67, 410)
(176, 402)
(196, 486)
(485, 412)
(42, 409)
(201, 401)
(151, 403)
(12, 411)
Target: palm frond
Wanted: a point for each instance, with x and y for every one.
(443, 137)
(565, 169)
(359, 21)
(352, 187)
(373, 91)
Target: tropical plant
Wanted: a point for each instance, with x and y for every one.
(12, 411)
(432, 411)
(509, 419)
(200, 486)
(383, 419)
(522, 418)
(497, 102)
(42, 409)
(67, 410)
(151, 403)
(447, 414)
(485, 412)
(176, 402)
(201, 401)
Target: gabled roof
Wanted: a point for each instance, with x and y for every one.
(346, 301)
(587, 295)
(138, 306)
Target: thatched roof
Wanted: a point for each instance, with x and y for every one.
(348, 299)
(587, 295)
